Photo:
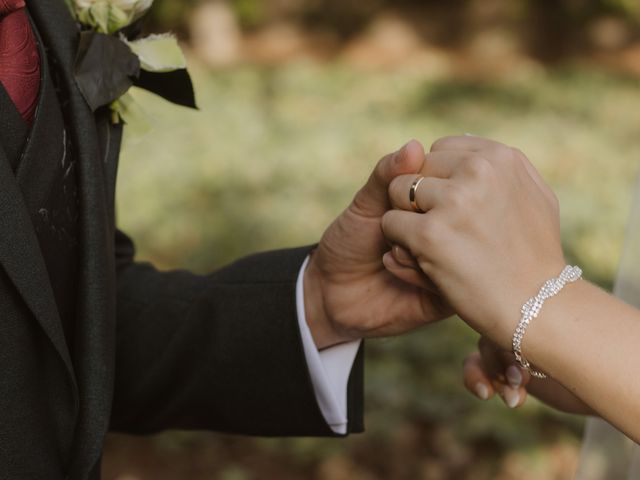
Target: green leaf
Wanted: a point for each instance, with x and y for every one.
(130, 112)
(104, 16)
(159, 53)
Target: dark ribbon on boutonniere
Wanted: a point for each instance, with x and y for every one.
(106, 68)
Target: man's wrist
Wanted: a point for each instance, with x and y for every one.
(320, 324)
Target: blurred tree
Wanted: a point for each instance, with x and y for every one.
(250, 12)
(550, 29)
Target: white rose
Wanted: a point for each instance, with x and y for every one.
(83, 4)
(137, 7)
(109, 16)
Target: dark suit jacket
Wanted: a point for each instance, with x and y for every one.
(152, 350)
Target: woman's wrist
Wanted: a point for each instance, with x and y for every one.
(532, 308)
(553, 330)
(512, 299)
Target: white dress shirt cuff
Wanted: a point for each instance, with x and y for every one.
(329, 369)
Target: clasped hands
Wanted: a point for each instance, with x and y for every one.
(486, 235)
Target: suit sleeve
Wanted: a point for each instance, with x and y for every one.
(221, 351)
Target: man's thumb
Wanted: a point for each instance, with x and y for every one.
(373, 199)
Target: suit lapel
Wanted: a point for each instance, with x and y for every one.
(21, 258)
(20, 254)
(96, 309)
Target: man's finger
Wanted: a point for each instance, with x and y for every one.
(428, 193)
(372, 200)
(476, 379)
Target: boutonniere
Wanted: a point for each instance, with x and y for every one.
(111, 58)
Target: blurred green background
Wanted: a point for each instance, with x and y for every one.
(299, 98)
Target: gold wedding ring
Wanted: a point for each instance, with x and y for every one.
(412, 195)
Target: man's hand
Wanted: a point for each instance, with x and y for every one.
(349, 294)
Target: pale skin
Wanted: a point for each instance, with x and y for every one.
(489, 239)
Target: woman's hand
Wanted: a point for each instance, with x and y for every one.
(489, 239)
(490, 236)
(493, 370)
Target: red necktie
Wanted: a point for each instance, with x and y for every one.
(19, 59)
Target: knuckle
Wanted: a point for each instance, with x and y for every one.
(441, 144)
(456, 197)
(425, 234)
(478, 167)
(518, 159)
(502, 156)
(430, 231)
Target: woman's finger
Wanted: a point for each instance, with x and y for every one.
(508, 378)
(443, 164)
(502, 364)
(475, 377)
(427, 193)
(492, 359)
(516, 375)
(481, 383)
(471, 143)
(404, 228)
(513, 397)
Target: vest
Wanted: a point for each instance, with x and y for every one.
(44, 162)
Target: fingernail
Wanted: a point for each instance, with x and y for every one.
(514, 376)
(511, 397)
(482, 391)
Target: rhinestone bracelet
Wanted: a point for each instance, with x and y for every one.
(531, 309)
